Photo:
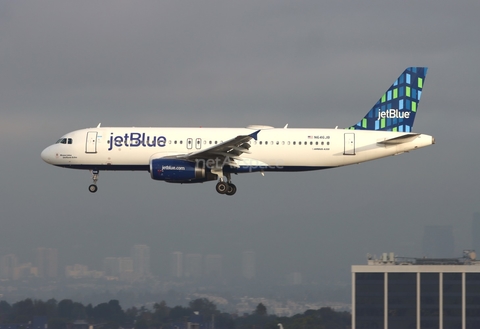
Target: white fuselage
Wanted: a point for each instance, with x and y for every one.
(276, 149)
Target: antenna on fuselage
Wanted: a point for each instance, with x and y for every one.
(99, 125)
(285, 126)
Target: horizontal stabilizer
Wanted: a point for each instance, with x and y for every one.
(399, 140)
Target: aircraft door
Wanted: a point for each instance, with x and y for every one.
(198, 143)
(349, 146)
(189, 143)
(91, 144)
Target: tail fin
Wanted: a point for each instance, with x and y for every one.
(396, 110)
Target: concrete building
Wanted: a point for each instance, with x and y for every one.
(394, 292)
(7, 266)
(213, 266)
(141, 260)
(176, 264)
(193, 266)
(46, 260)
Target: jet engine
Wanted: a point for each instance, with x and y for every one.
(179, 171)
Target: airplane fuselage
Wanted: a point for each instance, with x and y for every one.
(276, 149)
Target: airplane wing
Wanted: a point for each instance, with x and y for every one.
(227, 152)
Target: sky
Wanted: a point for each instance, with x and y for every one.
(71, 65)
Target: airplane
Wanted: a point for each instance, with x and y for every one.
(197, 155)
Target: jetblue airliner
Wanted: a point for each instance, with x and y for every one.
(196, 155)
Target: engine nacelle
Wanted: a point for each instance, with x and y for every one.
(177, 171)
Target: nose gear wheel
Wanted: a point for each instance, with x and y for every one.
(93, 187)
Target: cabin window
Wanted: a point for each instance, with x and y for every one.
(181, 142)
(70, 141)
(266, 142)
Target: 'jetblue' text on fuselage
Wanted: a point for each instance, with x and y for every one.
(136, 140)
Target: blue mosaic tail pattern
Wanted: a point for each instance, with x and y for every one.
(397, 108)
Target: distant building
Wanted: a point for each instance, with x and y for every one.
(76, 271)
(111, 266)
(295, 278)
(193, 266)
(438, 241)
(46, 262)
(125, 266)
(249, 265)
(141, 260)
(7, 266)
(394, 292)
(213, 266)
(119, 267)
(176, 264)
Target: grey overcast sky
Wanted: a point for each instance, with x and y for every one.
(68, 65)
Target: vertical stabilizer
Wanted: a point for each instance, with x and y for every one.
(396, 109)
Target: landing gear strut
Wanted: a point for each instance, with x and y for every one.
(93, 187)
(227, 187)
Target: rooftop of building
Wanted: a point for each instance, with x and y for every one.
(468, 258)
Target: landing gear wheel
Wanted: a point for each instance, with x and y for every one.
(93, 188)
(231, 190)
(222, 187)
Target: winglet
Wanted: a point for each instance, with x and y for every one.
(254, 134)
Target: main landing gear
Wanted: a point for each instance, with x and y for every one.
(227, 187)
(93, 187)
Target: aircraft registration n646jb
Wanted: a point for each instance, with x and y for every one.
(196, 155)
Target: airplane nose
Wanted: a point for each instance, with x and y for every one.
(46, 155)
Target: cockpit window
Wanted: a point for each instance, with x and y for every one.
(64, 141)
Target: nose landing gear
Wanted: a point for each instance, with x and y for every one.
(93, 187)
